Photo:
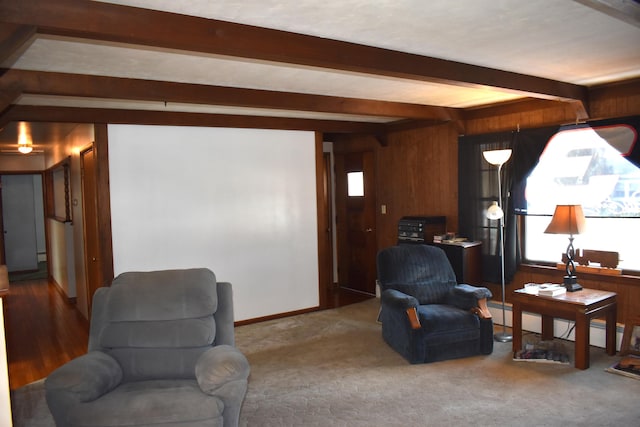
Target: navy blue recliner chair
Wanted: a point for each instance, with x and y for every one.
(426, 316)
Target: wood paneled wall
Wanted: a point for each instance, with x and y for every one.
(416, 178)
(417, 174)
(616, 100)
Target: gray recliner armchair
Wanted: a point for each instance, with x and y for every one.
(161, 351)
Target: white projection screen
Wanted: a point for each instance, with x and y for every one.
(241, 202)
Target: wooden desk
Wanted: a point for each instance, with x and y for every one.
(466, 260)
(580, 306)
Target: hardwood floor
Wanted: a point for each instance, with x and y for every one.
(339, 297)
(43, 331)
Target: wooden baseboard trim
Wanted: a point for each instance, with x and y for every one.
(276, 316)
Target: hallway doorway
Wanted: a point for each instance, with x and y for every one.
(356, 224)
(23, 230)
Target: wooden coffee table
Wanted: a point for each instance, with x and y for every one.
(580, 306)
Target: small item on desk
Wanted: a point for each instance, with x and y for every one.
(545, 289)
(449, 237)
(531, 288)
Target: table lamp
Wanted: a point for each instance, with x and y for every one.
(568, 219)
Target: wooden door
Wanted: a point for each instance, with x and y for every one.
(356, 222)
(92, 254)
(3, 260)
(327, 225)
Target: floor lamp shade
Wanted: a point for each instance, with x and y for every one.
(568, 219)
(495, 212)
(497, 157)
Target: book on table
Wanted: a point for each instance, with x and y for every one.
(551, 289)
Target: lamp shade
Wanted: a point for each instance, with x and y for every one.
(567, 219)
(497, 157)
(495, 211)
(25, 145)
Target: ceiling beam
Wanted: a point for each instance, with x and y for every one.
(123, 24)
(7, 96)
(520, 106)
(573, 109)
(77, 85)
(623, 89)
(620, 89)
(625, 10)
(13, 37)
(170, 118)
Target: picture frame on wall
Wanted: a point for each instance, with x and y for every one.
(629, 364)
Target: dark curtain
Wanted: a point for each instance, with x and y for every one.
(526, 154)
(478, 187)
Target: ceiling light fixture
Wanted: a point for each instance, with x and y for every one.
(25, 144)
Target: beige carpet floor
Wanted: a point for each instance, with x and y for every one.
(331, 368)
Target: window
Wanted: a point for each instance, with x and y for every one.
(355, 184)
(586, 166)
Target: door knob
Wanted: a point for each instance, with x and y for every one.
(369, 230)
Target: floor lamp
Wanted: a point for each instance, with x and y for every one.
(495, 212)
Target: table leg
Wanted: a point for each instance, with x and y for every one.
(582, 342)
(516, 320)
(611, 329)
(547, 328)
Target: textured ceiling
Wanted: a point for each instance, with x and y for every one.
(565, 41)
(561, 40)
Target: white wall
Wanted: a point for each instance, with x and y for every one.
(61, 262)
(41, 241)
(241, 202)
(80, 138)
(21, 163)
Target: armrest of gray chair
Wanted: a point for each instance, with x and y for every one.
(223, 371)
(81, 380)
(225, 333)
(472, 298)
